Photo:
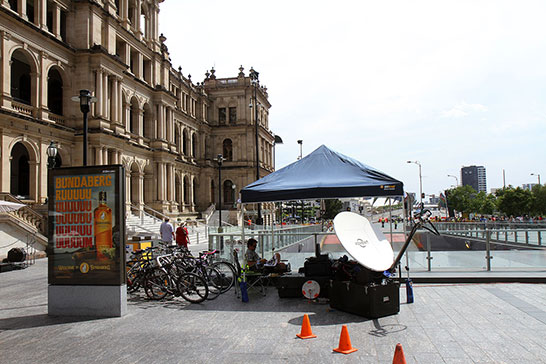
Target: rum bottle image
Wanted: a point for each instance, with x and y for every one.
(102, 220)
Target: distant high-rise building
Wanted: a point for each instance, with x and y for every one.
(474, 176)
(528, 186)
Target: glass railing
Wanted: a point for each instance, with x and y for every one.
(471, 249)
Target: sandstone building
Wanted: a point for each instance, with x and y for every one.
(164, 128)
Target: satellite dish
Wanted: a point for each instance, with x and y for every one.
(363, 241)
(311, 289)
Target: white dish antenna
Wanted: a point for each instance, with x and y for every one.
(363, 241)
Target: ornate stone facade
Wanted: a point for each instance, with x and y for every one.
(148, 116)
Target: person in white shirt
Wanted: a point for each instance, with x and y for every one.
(167, 232)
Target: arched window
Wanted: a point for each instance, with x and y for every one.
(194, 145)
(186, 190)
(20, 171)
(185, 142)
(55, 92)
(133, 117)
(20, 77)
(229, 193)
(194, 188)
(144, 22)
(227, 149)
(148, 122)
(177, 138)
(178, 190)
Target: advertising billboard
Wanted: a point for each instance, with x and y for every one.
(86, 225)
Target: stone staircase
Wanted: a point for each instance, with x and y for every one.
(147, 226)
(229, 217)
(24, 228)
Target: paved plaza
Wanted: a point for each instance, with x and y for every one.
(448, 323)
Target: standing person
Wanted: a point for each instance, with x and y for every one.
(182, 235)
(167, 232)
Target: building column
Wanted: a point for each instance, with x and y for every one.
(57, 20)
(137, 18)
(140, 122)
(161, 186)
(104, 102)
(128, 190)
(124, 4)
(127, 111)
(98, 156)
(170, 183)
(192, 196)
(139, 186)
(169, 126)
(161, 122)
(115, 100)
(40, 8)
(33, 180)
(35, 99)
(98, 93)
(105, 159)
(22, 8)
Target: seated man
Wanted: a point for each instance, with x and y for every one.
(254, 262)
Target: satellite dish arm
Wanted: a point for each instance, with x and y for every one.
(404, 247)
(433, 230)
(421, 220)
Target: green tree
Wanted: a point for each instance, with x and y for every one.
(514, 201)
(483, 203)
(538, 204)
(333, 207)
(461, 199)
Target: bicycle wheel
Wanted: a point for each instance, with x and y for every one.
(228, 275)
(192, 288)
(132, 281)
(156, 285)
(213, 277)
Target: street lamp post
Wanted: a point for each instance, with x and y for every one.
(51, 155)
(538, 175)
(300, 142)
(420, 183)
(85, 100)
(220, 159)
(456, 179)
(255, 82)
(277, 140)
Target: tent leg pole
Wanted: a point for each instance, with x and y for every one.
(317, 246)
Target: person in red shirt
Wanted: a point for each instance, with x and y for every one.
(182, 235)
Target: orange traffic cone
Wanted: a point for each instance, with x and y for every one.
(345, 342)
(399, 355)
(306, 332)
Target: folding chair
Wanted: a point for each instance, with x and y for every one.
(254, 279)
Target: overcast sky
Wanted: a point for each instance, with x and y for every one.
(445, 83)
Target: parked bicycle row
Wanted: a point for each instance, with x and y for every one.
(167, 271)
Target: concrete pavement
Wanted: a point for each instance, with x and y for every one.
(455, 323)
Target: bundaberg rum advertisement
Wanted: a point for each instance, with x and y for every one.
(86, 225)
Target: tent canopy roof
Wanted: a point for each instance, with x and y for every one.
(322, 174)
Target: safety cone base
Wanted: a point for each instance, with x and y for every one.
(306, 332)
(306, 336)
(347, 351)
(345, 346)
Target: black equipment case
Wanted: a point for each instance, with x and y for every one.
(367, 300)
(318, 266)
(289, 285)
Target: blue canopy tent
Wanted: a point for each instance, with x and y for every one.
(323, 174)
